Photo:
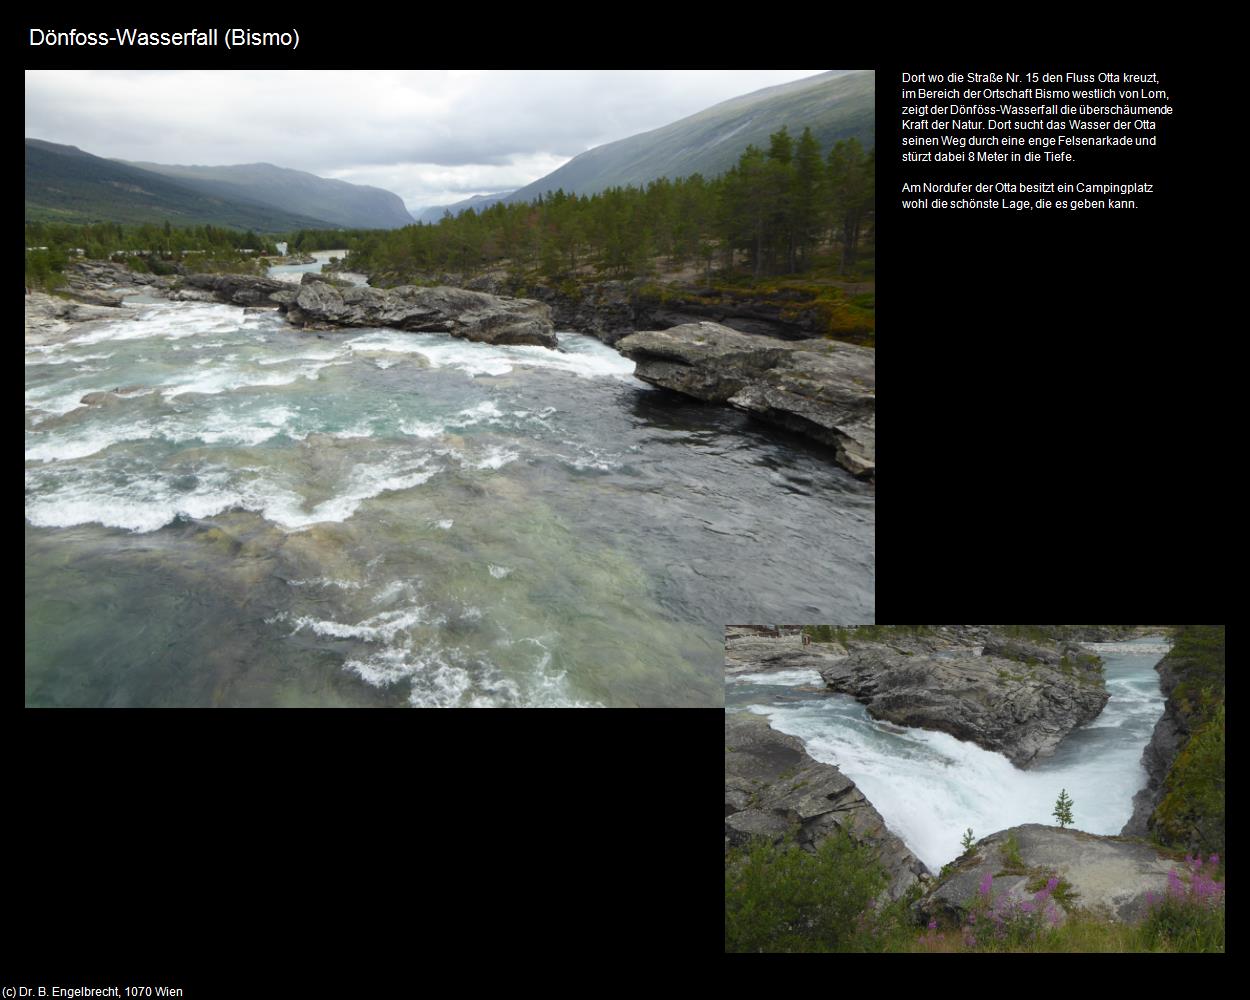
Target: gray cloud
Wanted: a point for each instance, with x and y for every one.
(430, 136)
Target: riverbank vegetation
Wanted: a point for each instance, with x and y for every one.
(151, 248)
(780, 898)
(1190, 816)
(777, 211)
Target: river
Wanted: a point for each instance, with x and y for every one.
(268, 516)
(930, 786)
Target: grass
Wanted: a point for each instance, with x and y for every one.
(1010, 853)
(785, 899)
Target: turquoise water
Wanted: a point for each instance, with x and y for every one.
(930, 786)
(263, 516)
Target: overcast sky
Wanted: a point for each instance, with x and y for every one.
(432, 136)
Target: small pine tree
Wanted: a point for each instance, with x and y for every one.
(967, 841)
(1063, 809)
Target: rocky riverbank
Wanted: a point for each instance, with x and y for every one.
(821, 388)
(773, 789)
(1104, 875)
(319, 303)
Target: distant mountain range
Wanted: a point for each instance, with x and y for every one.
(836, 105)
(66, 184)
(352, 206)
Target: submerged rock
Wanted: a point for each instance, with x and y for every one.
(1104, 875)
(773, 788)
(1022, 711)
(821, 388)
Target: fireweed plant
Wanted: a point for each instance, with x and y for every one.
(1188, 919)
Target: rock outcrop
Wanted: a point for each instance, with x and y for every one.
(1022, 711)
(91, 278)
(1169, 736)
(756, 653)
(237, 289)
(1104, 875)
(469, 315)
(50, 314)
(822, 388)
(774, 789)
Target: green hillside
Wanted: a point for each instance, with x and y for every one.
(353, 206)
(835, 105)
(64, 184)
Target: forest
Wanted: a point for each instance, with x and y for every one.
(149, 247)
(775, 212)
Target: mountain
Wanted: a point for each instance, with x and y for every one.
(477, 203)
(65, 184)
(350, 206)
(836, 105)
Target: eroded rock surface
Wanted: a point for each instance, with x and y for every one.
(1020, 710)
(1170, 734)
(1107, 875)
(821, 388)
(773, 788)
(455, 311)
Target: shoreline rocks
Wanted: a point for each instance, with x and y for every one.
(821, 388)
(47, 315)
(774, 789)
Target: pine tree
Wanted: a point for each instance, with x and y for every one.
(967, 841)
(1063, 809)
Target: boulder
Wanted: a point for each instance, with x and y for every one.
(469, 315)
(821, 388)
(1020, 711)
(774, 789)
(237, 289)
(1108, 876)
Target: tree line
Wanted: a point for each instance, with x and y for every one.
(774, 212)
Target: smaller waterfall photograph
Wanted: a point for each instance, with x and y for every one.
(974, 788)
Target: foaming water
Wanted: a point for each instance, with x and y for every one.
(222, 509)
(930, 787)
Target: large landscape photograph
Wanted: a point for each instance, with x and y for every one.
(441, 389)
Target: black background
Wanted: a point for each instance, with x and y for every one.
(1053, 439)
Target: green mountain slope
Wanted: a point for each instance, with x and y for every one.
(352, 206)
(836, 105)
(65, 184)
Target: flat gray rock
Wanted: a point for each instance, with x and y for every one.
(1109, 876)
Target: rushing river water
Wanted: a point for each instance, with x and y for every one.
(930, 787)
(264, 516)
